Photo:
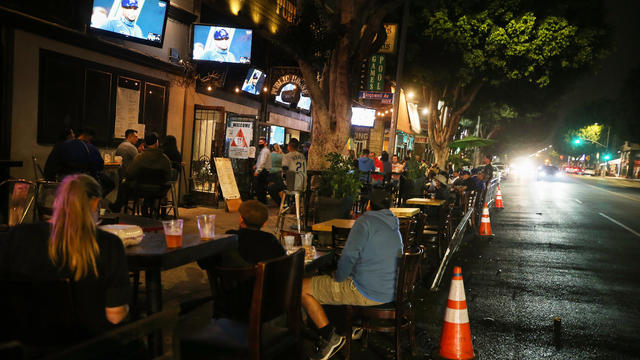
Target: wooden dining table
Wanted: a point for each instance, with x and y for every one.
(405, 212)
(326, 226)
(425, 202)
(153, 257)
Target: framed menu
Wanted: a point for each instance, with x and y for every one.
(228, 184)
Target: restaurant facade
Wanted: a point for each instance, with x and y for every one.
(58, 73)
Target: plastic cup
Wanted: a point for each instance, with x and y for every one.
(288, 242)
(433, 196)
(206, 226)
(173, 232)
(307, 239)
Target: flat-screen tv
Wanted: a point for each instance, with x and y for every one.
(277, 135)
(222, 44)
(288, 95)
(363, 116)
(304, 103)
(142, 21)
(254, 81)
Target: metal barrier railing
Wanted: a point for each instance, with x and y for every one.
(490, 193)
(456, 240)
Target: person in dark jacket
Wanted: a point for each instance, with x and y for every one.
(53, 166)
(170, 148)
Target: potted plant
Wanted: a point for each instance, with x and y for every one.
(414, 175)
(339, 187)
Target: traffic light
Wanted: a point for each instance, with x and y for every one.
(607, 156)
(577, 141)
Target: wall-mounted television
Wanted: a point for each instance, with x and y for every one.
(288, 95)
(277, 135)
(254, 81)
(363, 116)
(142, 21)
(304, 103)
(222, 44)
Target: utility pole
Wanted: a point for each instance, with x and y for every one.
(396, 95)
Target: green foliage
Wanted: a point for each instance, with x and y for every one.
(495, 44)
(340, 180)
(414, 170)
(458, 161)
(589, 133)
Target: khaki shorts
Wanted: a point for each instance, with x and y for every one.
(330, 292)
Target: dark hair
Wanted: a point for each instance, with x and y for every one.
(294, 143)
(379, 199)
(254, 213)
(384, 156)
(129, 132)
(170, 143)
(65, 134)
(151, 138)
(86, 131)
(365, 152)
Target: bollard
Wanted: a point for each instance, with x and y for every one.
(557, 331)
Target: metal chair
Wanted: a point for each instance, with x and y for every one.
(22, 194)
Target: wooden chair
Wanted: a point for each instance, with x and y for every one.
(407, 227)
(339, 237)
(152, 186)
(276, 295)
(398, 315)
(421, 222)
(127, 339)
(33, 321)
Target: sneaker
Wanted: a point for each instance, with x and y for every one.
(356, 333)
(327, 348)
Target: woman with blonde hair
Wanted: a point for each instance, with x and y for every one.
(71, 247)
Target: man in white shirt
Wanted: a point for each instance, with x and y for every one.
(296, 162)
(127, 149)
(262, 167)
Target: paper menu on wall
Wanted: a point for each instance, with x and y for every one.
(226, 178)
(127, 112)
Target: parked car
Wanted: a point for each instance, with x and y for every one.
(589, 171)
(503, 169)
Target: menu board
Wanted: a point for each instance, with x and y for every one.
(127, 112)
(226, 178)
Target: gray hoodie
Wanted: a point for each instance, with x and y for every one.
(370, 256)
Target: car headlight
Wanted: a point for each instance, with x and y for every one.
(559, 173)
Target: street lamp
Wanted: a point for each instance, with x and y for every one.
(579, 140)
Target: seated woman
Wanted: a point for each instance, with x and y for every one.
(71, 247)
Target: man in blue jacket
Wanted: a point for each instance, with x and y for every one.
(366, 273)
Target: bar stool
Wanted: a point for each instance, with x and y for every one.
(296, 196)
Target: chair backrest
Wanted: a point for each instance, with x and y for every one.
(277, 291)
(339, 236)
(232, 289)
(408, 269)
(45, 199)
(407, 228)
(21, 194)
(38, 173)
(151, 176)
(421, 222)
(38, 313)
(111, 344)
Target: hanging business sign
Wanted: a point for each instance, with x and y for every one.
(289, 79)
(389, 46)
(375, 75)
(383, 97)
(239, 135)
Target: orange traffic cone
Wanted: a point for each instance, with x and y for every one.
(485, 224)
(499, 204)
(455, 342)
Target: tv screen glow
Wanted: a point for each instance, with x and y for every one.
(363, 116)
(254, 81)
(304, 103)
(277, 135)
(136, 20)
(222, 44)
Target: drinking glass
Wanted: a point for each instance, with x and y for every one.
(173, 232)
(307, 239)
(288, 242)
(206, 226)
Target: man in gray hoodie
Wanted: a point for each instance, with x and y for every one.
(366, 273)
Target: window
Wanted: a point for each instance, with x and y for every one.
(74, 93)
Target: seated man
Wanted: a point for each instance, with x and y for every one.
(441, 189)
(366, 273)
(151, 160)
(254, 245)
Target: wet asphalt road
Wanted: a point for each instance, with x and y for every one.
(568, 247)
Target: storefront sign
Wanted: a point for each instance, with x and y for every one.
(389, 46)
(375, 80)
(421, 139)
(240, 135)
(384, 97)
(360, 134)
(289, 79)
